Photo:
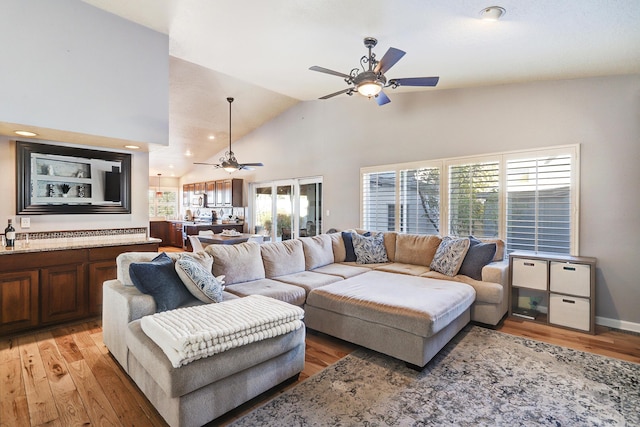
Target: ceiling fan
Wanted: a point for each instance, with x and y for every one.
(229, 162)
(371, 80)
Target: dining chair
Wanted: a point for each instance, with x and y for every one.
(196, 245)
(258, 238)
(205, 233)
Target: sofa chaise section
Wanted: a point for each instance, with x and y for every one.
(407, 317)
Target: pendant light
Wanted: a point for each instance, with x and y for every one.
(158, 192)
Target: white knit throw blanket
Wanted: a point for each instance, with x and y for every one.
(191, 333)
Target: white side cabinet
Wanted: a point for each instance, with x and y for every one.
(554, 289)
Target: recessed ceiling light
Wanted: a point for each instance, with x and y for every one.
(188, 153)
(132, 147)
(170, 166)
(25, 133)
(212, 137)
(492, 13)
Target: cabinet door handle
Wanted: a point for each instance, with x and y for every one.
(569, 268)
(529, 264)
(568, 301)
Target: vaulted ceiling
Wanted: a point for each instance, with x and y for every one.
(260, 52)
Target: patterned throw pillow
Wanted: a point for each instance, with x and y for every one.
(203, 258)
(369, 249)
(199, 281)
(449, 256)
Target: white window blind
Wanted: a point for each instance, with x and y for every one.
(539, 204)
(379, 200)
(420, 200)
(474, 204)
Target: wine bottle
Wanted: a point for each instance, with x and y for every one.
(10, 235)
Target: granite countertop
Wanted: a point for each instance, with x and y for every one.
(63, 244)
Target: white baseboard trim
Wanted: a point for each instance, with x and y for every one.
(618, 324)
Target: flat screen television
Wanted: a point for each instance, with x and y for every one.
(112, 185)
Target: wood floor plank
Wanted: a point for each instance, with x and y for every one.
(70, 407)
(129, 412)
(14, 409)
(42, 407)
(66, 344)
(98, 406)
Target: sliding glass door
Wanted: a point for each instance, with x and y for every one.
(287, 209)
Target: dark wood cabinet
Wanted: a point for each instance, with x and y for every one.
(63, 291)
(160, 230)
(187, 194)
(175, 234)
(54, 286)
(18, 300)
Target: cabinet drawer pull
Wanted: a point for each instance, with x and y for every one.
(529, 264)
(569, 268)
(568, 301)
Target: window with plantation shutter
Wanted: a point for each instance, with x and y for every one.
(379, 200)
(529, 198)
(420, 200)
(474, 199)
(539, 203)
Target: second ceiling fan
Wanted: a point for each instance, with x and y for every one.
(229, 162)
(371, 80)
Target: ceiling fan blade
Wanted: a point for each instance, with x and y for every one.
(251, 164)
(328, 71)
(389, 59)
(208, 164)
(382, 99)
(336, 93)
(415, 81)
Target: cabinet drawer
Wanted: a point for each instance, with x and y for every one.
(569, 311)
(529, 273)
(570, 278)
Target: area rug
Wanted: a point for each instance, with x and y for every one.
(482, 377)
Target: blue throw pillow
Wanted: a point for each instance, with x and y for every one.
(478, 255)
(347, 236)
(159, 279)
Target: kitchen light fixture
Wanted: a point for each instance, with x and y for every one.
(158, 192)
(492, 13)
(132, 147)
(25, 133)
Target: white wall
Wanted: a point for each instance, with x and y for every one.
(335, 138)
(72, 67)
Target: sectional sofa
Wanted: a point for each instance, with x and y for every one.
(400, 306)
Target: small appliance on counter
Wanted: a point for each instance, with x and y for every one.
(188, 216)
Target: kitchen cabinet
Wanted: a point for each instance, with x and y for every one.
(176, 237)
(18, 300)
(187, 193)
(554, 289)
(160, 230)
(46, 287)
(210, 191)
(64, 293)
(199, 188)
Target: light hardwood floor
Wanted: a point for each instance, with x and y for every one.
(65, 376)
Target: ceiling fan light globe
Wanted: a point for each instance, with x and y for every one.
(369, 89)
(230, 168)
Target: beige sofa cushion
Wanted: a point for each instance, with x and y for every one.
(270, 288)
(401, 268)
(318, 251)
(281, 258)
(337, 244)
(239, 263)
(416, 249)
